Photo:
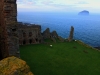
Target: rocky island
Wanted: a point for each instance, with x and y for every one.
(84, 13)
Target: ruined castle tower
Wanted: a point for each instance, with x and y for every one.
(8, 29)
(71, 34)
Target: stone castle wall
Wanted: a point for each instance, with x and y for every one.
(9, 28)
(3, 34)
(29, 34)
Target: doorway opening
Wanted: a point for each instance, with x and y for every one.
(30, 41)
(24, 42)
(36, 40)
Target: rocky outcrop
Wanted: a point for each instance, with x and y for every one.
(14, 66)
(84, 12)
(46, 33)
(71, 34)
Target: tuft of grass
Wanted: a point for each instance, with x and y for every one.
(64, 58)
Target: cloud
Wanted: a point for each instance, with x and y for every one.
(58, 5)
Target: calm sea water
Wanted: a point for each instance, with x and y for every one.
(86, 28)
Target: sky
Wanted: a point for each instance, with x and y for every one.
(58, 5)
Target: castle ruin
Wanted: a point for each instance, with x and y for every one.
(29, 34)
(13, 33)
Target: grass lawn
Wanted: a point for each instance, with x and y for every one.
(64, 58)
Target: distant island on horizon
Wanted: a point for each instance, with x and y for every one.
(84, 13)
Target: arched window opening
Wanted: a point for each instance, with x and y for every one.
(30, 41)
(24, 42)
(36, 40)
(30, 34)
(14, 29)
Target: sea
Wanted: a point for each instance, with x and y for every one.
(86, 28)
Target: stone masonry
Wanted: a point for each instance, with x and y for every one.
(71, 34)
(29, 34)
(9, 28)
(46, 33)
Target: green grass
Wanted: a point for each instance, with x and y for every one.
(64, 58)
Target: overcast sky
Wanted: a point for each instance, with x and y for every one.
(58, 5)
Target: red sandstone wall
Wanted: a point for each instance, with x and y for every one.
(3, 37)
(8, 23)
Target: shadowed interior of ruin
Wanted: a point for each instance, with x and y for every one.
(36, 40)
(13, 29)
(30, 41)
(24, 42)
